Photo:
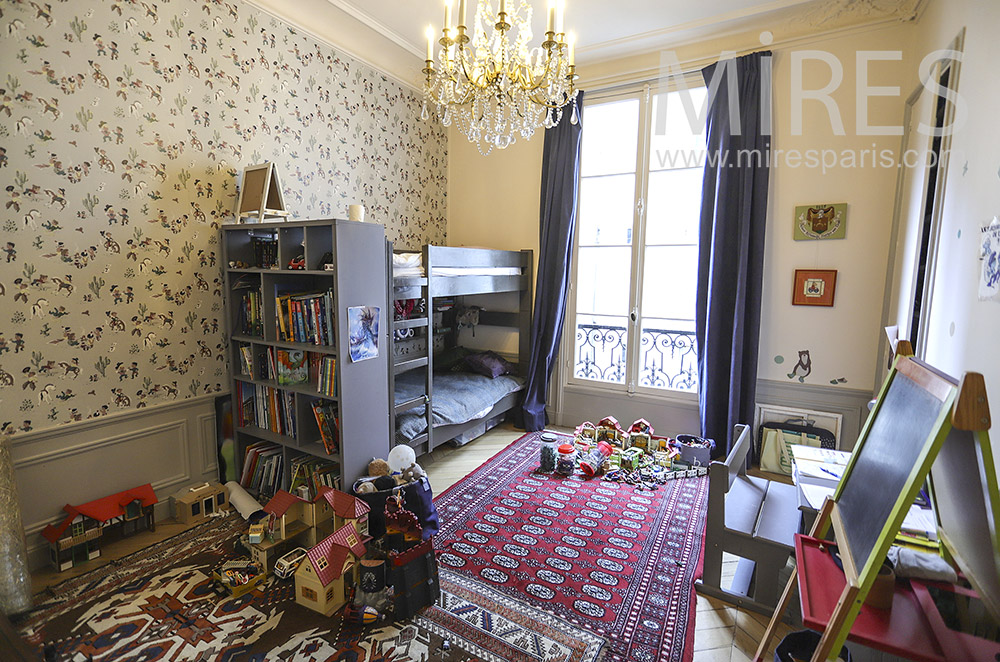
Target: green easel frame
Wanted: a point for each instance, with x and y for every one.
(965, 508)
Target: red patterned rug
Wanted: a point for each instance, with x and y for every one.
(618, 562)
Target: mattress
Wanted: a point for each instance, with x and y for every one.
(459, 397)
(410, 265)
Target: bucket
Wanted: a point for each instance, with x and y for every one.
(695, 449)
(801, 646)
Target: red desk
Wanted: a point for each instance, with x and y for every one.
(913, 628)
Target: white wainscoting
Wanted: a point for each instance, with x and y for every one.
(169, 446)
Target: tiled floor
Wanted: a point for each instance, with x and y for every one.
(722, 631)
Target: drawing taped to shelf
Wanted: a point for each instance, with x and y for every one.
(362, 328)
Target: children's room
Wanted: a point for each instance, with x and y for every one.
(499, 330)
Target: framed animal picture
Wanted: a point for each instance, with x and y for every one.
(825, 221)
(814, 287)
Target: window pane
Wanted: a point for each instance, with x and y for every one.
(668, 355)
(669, 282)
(599, 350)
(602, 284)
(674, 209)
(611, 138)
(606, 210)
(673, 142)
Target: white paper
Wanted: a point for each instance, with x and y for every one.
(816, 494)
(824, 455)
(989, 256)
(920, 520)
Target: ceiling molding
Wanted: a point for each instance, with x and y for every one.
(643, 72)
(377, 25)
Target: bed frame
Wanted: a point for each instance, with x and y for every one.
(431, 330)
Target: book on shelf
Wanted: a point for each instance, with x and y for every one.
(328, 424)
(309, 473)
(292, 367)
(265, 251)
(305, 317)
(246, 360)
(250, 322)
(327, 377)
(262, 468)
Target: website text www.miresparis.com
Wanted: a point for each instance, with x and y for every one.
(725, 79)
(823, 160)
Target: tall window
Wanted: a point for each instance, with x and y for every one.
(636, 261)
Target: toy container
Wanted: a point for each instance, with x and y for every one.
(547, 452)
(566, 462)
(592, 463)
(695, 450)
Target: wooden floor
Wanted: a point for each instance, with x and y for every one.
(722, 631)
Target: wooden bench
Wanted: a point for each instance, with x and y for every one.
(753, 518)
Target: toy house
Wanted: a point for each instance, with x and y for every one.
(196, 504)
(78, 537)
(323, 578)
(284, 525)
(329, 511)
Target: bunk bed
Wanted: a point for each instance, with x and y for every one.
(433, 404)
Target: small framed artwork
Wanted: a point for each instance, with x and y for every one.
(814, 287)
(823, 221)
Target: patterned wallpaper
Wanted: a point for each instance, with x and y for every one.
(123, 124)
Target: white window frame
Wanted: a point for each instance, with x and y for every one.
(630, 388)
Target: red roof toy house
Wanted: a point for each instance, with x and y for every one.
(320, 581)
(77, 537)
(329, 511)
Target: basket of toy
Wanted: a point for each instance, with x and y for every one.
(695, 450)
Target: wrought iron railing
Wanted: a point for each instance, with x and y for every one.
(667, 359)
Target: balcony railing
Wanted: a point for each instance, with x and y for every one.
(667, 359)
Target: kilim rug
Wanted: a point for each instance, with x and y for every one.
(618, 562)
(157, 605)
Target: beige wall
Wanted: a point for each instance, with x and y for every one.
(843, 339)
(962, 331)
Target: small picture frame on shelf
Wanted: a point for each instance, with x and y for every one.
(814, 287)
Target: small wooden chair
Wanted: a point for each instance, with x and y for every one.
(753, 518)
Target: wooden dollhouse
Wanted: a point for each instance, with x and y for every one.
(78, 537)
(323, 578)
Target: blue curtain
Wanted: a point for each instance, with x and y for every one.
(731, 255)
(557, 222)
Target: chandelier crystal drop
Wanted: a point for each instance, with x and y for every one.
(491, 85)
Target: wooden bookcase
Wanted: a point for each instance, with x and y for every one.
(358, 278)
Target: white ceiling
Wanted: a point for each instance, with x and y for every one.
(389, 34)
(598, 24)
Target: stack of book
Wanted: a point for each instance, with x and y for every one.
(326, 376)
(262, 467)
(266, 407)
(309, 473)
(306, 317)
(265, 251)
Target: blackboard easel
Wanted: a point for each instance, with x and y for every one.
(923, 424)
(260, 194)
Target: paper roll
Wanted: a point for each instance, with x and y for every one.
(241, 500)
(356, 213)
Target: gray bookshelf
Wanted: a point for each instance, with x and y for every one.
(358, 278)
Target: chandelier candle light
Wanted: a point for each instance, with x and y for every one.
(492, 85)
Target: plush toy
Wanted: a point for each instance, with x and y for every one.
(412, 473)
(378, 467)
(384, 483)
(365, 487)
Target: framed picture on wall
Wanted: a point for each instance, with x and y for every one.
(814, 287)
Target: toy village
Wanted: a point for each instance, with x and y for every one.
(369, 553)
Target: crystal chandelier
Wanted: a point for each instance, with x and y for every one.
(492, 85)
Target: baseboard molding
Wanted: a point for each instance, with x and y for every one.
(170, 447)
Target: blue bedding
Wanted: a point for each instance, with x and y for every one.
(458, 397)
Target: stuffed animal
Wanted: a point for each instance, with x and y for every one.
(378, 467)
(412, 473)
(365, 487)
(384, 483)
